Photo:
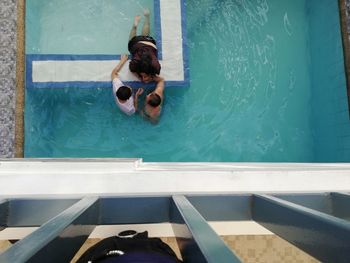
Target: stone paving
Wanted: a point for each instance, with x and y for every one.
(8, 17)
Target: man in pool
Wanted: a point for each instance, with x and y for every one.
(154, 102)
(144, 62)
(123, 94)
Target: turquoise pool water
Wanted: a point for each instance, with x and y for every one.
(81, 27)
(249, 97)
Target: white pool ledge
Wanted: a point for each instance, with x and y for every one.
(76, 177)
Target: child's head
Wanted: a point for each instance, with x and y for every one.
(153, 99)
(124, 93)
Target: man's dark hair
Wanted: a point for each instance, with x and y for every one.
(123, 93)
(154, 100)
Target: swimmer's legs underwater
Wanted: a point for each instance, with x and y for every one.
(145, 28)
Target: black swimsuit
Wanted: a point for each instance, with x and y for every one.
(136, 39)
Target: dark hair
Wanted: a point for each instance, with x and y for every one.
(123, 93)
(154, 100)
(145, 63)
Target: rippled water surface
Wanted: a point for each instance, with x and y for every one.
(248, 99)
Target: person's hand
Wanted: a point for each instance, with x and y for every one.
(139, 91)
(124, 58)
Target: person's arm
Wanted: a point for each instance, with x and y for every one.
(160, 86)
(136, 99)
(120, 65)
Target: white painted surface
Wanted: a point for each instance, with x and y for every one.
(77, 70)
(132, 176)
(172, 63)
(100, 70)
(154, 230)
(78, 166)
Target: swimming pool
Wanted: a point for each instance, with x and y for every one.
(254, 92)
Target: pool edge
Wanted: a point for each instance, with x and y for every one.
(346, 43)
(20, 73)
